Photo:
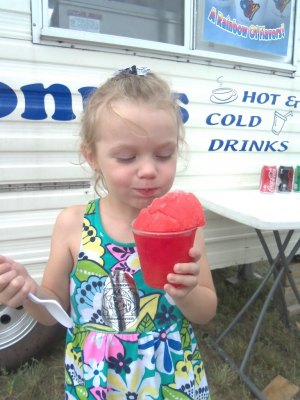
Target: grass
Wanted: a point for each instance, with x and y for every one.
(276, 352)
(38, 380)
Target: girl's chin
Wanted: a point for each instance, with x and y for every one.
(142, 203)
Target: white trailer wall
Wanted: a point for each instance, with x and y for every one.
(45, 152)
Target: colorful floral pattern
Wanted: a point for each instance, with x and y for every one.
(154, 357)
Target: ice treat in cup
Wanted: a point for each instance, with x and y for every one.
(164, 232)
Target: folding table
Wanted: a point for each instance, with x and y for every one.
(279, 213)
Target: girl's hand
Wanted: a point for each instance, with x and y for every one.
(185, 277)
(15, 283)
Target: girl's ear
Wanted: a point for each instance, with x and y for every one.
(89, 156)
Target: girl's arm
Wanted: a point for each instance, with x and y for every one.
(197, 297)
(17, 283)
(64, 250)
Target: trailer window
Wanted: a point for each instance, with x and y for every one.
(259, 29)
(155, 20)
(241, 34)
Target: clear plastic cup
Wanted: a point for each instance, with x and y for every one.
(159, 252)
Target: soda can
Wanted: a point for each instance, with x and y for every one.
(297, 179)
(268, 179)
(285, 179)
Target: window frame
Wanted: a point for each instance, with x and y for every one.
(43, 34)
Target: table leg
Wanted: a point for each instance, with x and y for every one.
(271, 260)
(278, 268)
(256, 294)
(286, 262)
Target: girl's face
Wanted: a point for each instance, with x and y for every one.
(136, 153)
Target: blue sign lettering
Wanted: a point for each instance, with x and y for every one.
(184, 113)
(247, 145)
(34, 95)
(260, 98)
(292, 102)
(35, 102)
(8, 100)
(85, 93)
(231, 119)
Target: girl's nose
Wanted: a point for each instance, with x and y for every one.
(147, 169)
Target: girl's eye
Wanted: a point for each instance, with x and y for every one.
(126, 159)
(164, 156)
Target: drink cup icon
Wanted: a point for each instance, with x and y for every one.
(279, 121)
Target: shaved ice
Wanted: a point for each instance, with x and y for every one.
(164, 232)
(174, 212)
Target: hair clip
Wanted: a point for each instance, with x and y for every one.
(134, 70)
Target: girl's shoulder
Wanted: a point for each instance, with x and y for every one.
(73, 211)
(71, 217)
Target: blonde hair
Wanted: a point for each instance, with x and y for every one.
(148, 88)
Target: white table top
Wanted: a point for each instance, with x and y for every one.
(274, 211)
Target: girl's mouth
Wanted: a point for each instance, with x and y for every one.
(147, 192)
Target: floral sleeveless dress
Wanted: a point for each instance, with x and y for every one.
(128, 341)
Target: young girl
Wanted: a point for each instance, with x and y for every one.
(142, 347)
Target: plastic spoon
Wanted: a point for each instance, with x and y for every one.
(54, 308)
